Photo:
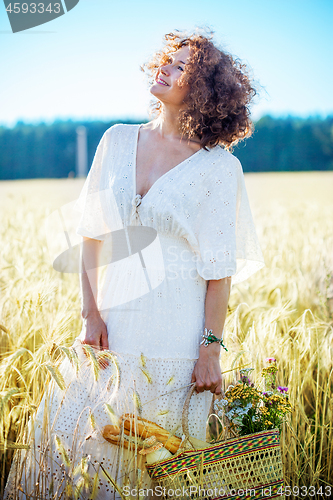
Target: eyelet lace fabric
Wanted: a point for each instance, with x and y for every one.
(193, 225)
(154, 388)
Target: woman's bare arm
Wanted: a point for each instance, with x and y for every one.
(95, 332)
(207, 371)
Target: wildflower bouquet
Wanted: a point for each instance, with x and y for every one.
(250, 410)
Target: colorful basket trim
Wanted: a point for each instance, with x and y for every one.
(265, 441)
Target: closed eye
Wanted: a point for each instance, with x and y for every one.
(169, 60)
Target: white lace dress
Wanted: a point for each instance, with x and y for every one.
(193, 225)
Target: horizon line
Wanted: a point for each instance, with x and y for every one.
(50, 122)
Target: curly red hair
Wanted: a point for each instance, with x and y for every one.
(217, 105)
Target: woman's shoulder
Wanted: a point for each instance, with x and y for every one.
(128, 126)
(223, 159)
(121, 128)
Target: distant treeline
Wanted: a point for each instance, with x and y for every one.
(278, 144)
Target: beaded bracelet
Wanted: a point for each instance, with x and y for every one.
(209, 338)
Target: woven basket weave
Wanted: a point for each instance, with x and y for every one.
(249, 467)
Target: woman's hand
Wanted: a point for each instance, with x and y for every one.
(95, 332)
(207, 372)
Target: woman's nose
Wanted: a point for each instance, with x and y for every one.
(164, 69)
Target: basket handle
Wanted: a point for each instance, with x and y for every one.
(185, 416)
(185, 420)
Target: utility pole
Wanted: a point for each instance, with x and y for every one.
(81, 152)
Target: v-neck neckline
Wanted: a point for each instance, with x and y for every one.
(159, 178)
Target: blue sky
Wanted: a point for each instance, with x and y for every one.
(85, 64)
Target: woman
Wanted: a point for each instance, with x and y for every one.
(165, 208)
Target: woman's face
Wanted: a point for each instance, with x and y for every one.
(166, 87)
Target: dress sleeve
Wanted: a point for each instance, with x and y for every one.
(92, 200)
(227, 243)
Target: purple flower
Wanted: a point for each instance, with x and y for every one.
(245, 380)
(270, 360)
(282, 389)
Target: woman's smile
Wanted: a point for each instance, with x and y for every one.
(161, 82)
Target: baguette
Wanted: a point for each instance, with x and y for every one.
(112, 434)
(111, 430)
(112, 437)
(146, 428)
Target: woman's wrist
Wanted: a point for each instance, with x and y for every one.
(90, 313)
(212, 350)
(208, 338)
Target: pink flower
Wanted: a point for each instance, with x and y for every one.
(270, 360)
(282, 389)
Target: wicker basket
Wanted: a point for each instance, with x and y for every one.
(248, 467)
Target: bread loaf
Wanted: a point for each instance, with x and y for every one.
(146, 428)
(111, 437)
(113, 430)
(112, 434)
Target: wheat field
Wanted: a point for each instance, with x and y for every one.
(285, 310)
